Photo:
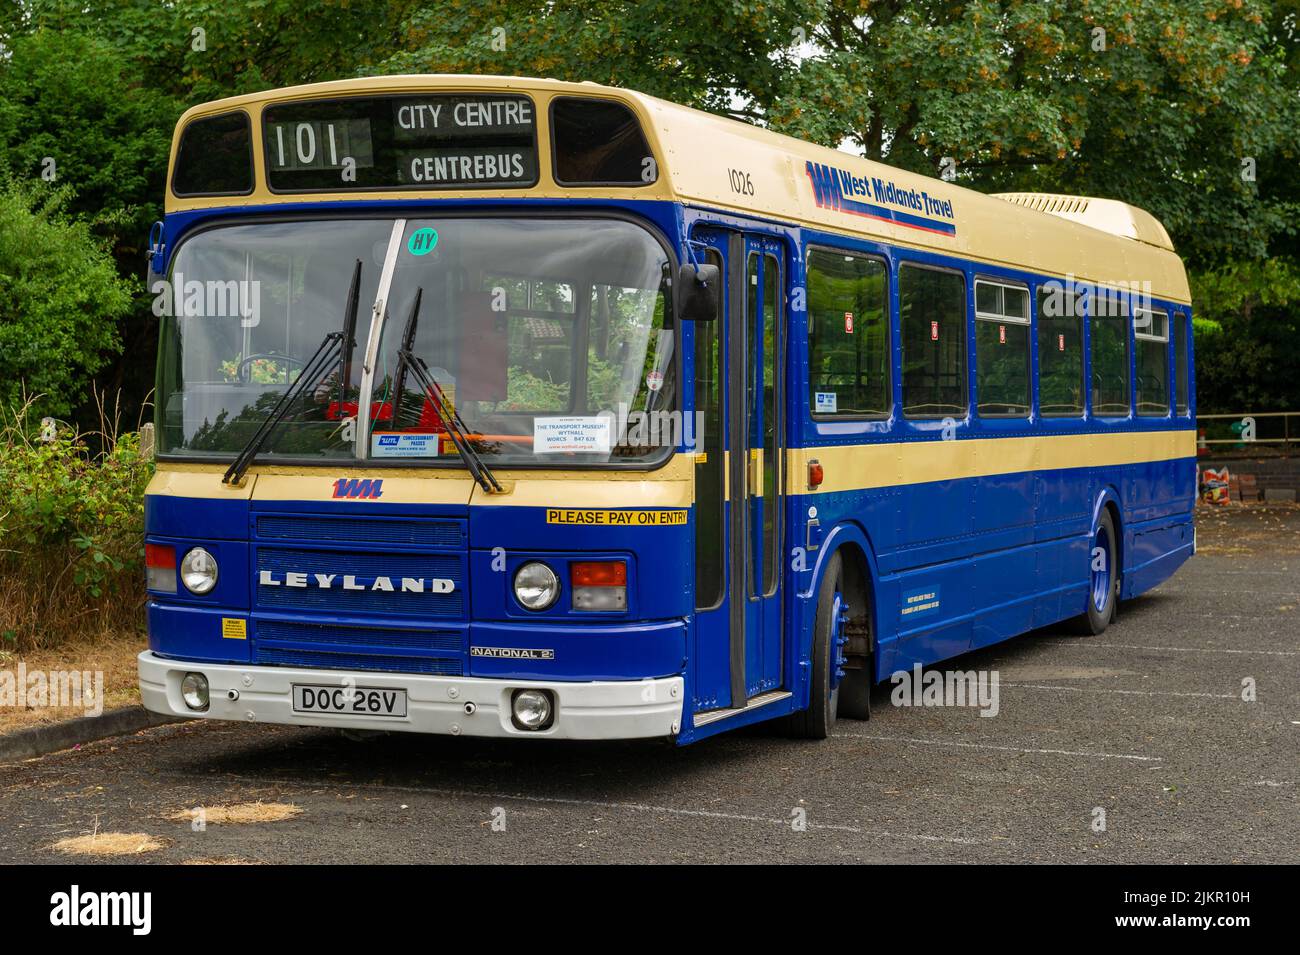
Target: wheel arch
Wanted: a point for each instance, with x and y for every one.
(861, 577)
(1108, 500)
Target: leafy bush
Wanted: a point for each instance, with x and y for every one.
(60, 299)
(71, 532)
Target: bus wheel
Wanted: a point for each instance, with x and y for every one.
(1103, 579)
(827, 657)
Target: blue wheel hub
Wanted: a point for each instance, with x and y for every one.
(1103, 571)
(839, 638)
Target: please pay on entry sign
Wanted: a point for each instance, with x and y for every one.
(616, 518)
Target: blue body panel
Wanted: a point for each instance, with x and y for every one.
(977, 560)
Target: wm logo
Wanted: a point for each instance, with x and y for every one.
(826, 186)
(354, 488)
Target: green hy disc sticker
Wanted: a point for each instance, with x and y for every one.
(422, 241)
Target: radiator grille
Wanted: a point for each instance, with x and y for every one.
(330, 660)
(378, 530)
(451, 641)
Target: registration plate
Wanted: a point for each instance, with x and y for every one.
(350, 700)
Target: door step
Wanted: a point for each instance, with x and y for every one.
(712, 716)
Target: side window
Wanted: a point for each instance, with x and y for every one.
(1182, 370)
(848, 331)
(1151, 333)
(1060, 352)
(932, 316)
(1001, 349)
(1108, 328)
(710, 577)
(599, 142)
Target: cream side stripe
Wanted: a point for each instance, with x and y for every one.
(862, 466)
(668, 487)
(196, 480)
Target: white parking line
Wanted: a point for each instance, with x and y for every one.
(703, 814)
(1254, 573)
(626, 806)
(1089, 644)
(1005, 749)
(1090, 689)
(1205, 592)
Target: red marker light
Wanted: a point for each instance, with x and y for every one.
(598, 573)
(599, 585)
(815, 475)
(160, 568)
(160, 555)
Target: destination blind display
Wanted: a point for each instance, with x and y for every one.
(435, 141)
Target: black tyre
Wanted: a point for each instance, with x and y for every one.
(855, 693)
(1103, 579)
(823, 707)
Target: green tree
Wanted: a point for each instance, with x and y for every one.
(728, 56)
(60, 300)
(1156, 102)
(75, 112)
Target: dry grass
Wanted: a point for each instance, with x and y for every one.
(42, 610)
(113, 655)
(71, 528)
(109, 844)
(239, 813)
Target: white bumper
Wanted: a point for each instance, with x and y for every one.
(457, 706)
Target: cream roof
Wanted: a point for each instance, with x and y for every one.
(1095, 240)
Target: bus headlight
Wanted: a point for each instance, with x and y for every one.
(198, 571)
(532, 709)
(536, 586)
(194, 691)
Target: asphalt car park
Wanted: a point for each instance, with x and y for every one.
(1173, 737)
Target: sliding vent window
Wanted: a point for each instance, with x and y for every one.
(1151, 332)
(599, 143)
(1060, 352)
(847, 307)
(1002, 349)
(1182, 370)
(215, 157)
(1108, 327)
(932, 315)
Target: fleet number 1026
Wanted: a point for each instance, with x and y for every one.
(741, 183)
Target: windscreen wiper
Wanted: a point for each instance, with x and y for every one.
(447, 414)
(334, 351)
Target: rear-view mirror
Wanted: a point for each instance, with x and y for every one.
(700, 287)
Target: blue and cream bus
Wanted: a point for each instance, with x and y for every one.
(508, 407)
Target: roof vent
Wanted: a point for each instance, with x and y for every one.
(1108, 215)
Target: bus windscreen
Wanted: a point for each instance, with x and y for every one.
(432, 141)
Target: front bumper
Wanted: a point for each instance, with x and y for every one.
(456, 706)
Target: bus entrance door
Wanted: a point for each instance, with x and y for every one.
(739, 387)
